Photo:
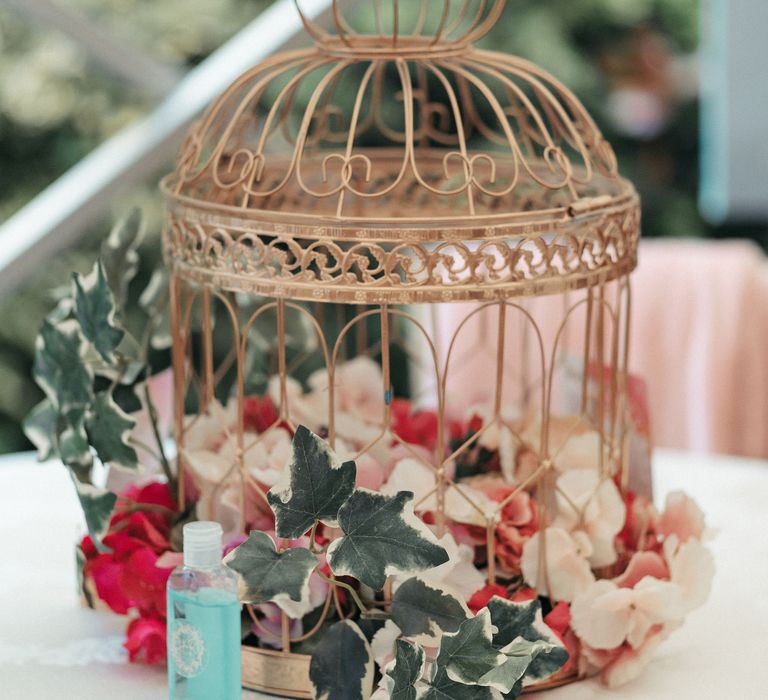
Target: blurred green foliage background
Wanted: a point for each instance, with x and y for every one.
(632, 62)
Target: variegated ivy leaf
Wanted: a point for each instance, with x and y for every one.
(154, 300)
(422, 608)
(314, 487)
(268, 575)
(109, 428)
(468, 654)
(127, 398)
(342, 666)
(40, 428)
(127, 372)
(508, 676)
(82, 581)
(513, 620)
(95, 311)
(62, 311)
(405, 675)
(98, 505)
(59, 368)
(72, 441)
(382, 537)
(118, 254)
(442, 687)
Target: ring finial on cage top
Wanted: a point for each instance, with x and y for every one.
(404, 27)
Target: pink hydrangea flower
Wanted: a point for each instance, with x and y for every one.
(567, 570)
(681, 517)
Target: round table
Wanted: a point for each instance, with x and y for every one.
(50, 647)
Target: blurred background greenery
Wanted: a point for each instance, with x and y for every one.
(632, 62)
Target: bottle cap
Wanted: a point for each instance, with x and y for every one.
(202, 544)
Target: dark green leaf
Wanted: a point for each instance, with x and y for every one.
(98, 505)
(382, 537)
(420, 608)
(315, 486)
(125, 373)
(95, 311)
(442, 687)
(127, 398)
(268, 575)
(468, 654)
(513, 620)
(40, 428)
(342, 666)
(516, 691)
(118, 254)
(59, 367)
(72, 440)
(407, 671)
(109, 430)
(519, 655)
(369, 626)
(547, 661)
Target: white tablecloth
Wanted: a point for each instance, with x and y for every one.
(50, 648)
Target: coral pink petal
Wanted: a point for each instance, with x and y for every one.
(641, 565)
(682, 517)
(631, 662)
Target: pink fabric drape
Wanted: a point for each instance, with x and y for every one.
(700, 340)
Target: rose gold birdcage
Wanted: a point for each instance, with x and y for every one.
(403, 195)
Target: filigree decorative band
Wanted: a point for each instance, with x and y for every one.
(577, 255)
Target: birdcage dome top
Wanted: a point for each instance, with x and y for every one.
(398, 164)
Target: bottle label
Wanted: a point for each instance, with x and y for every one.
(188, 650)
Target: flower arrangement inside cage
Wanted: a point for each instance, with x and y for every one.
(398, 325)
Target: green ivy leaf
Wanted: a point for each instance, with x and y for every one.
(154, 300)
(518, 657)
(108, 429)
(59, 368)
(72, 440)
(513, 620)
(407, 671)
(82, 581)
(314, 487)
(468, 654)
(125, 373)
(40, 428)
(421, 608)
(524, 619)
(442, 687)
(127, 398)
(98, 505)
(62, 311)
(95, 311)
(119, 256)
(268, 575)
(342, 666)
(382, 537)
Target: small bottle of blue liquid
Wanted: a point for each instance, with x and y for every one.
(203, 621)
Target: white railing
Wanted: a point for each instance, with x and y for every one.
(60, 214)
(114, 53)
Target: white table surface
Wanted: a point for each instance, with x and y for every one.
(50, 648)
